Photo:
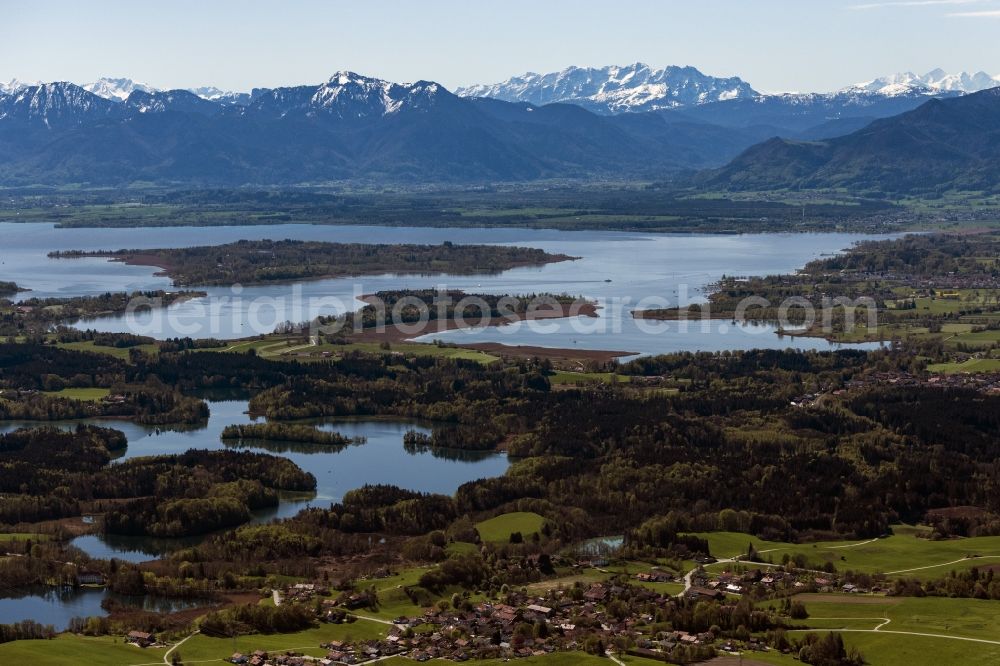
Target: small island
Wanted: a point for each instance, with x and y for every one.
(268, 261)
(284, 432)
(9, 289)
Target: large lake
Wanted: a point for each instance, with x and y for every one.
(621, 271)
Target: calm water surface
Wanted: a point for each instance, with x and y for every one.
(380, 460)
(622, 271)
(57, 606)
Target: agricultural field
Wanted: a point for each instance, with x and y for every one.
(970, 365)
(277, 347)
(86, 394)
(900, 554)
(70, 649)
(204, 648)
(566, 378)
(909, 630)
(22, 536)
(986, 338)
(117, 352)
(500, 528)
(567, 577)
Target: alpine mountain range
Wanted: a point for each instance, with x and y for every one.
(581, 123)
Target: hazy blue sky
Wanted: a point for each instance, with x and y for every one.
(774, 44)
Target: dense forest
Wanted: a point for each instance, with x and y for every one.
(444, 309)
(729, 440)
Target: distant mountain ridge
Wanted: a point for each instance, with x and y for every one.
(636, 88)
(945, 144)
(118, 89)
(934, 81)
(616, 89)
(354, 127)
(347, 128)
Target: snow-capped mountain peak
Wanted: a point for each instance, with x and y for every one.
(14, 84)
(616, 88)
(219, 96)
(352, 94)
(54, 104)
(116, 89)
(932, 83)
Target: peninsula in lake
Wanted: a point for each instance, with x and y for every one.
(268, 261)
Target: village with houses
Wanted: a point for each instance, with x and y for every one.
(623, 614)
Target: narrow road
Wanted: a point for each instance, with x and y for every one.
(946, 564)
(166, 655)
(374, 619)
(879, 630)
(690, 574)
(854, 545)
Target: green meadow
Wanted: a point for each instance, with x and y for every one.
(501, 527)
(902, 553)
(117, 352)
(276, 347)
(954, 631)
(86, 394)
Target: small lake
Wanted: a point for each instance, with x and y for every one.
(57, 606)
(380, 460)
(621, 271)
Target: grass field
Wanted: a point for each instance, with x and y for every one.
(501, 527)
(117, 352)
(900, 554)
(573, 378)
(203, 648)
(393, 602)
(71, 650)
(22, 536)
(959, 627)
(567, 577)
(978, 338)
(964, 618)
(87, 394)
(972, 365)
(276, 346)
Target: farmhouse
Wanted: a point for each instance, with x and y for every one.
(84, 577)
(705, 593)
(140, 638)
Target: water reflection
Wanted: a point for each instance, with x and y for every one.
(56, 606)
(618, 269)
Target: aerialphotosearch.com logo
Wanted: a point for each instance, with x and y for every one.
(416, 313)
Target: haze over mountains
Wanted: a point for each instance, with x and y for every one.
(610, 122)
